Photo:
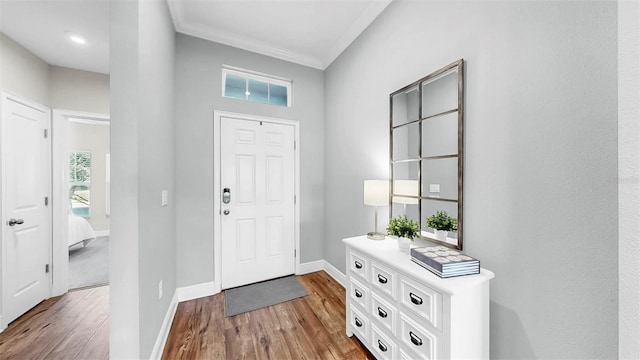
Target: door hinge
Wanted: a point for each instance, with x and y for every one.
(46, 133)
(46, 268)
(295, 252)
(295, 199)
(294, 145)
(46, 201)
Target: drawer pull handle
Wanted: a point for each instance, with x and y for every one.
(415, 299)
(358, 322)
(382, 313)
(358, 293)
(358, 265)
(382, 346)
(415, 339)
(382, 279)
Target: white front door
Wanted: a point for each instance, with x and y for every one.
(26, 220)
(257, 201)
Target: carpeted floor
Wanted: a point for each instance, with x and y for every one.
(89, 265)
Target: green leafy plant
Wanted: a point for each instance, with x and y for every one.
(442, 221)
(401, 226)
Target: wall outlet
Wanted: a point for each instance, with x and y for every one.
(160, 290)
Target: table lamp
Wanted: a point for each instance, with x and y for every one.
(376, 193)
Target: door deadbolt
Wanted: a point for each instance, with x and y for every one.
(13, 222)
(226, 212)
(226, 196)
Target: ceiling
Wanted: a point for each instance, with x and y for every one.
(307, 32)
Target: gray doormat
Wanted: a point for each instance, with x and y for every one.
(256, 296)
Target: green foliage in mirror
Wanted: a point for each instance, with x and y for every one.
(442, 221)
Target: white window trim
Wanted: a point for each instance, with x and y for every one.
(254, 75)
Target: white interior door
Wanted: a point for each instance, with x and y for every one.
(257, 201)
(26, 217)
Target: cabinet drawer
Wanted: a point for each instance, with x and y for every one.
(359, 323)
(423, 300)
(359, 293)
(359, 265)
(417, 338)
(383, 347)
(383, 279)
(385, 313)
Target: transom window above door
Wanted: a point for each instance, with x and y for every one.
(252, 86)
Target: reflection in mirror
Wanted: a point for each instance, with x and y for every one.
(405, 106)
(440, 135)
(400, 208)
(405, 192)
(440, 178)
(431, 207)
(426, 150)
(440, 94)
(406, 170)
(405, 142)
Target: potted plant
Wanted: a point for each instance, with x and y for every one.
(404, 229)
(442, 223)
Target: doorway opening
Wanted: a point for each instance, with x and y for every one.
(81, 169)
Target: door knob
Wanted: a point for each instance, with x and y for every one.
(13, 222)
(226, 212)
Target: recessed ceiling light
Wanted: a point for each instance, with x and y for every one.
(75, 38)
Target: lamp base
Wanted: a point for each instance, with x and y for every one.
(376, 236)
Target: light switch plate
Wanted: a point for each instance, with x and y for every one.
(165, 197)
(434, 188)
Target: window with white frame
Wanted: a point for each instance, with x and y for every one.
(248, 85)
(80, 183)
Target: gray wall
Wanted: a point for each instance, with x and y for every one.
(79, 90)
(26, 75)
(629, 178)
(541, 154)
(23, 73)
(198, 94)
(142, 246)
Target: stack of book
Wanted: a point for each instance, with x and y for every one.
(445, 262)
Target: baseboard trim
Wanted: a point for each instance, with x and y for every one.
(102, 233)
(187, 293)
(335, 273)
(163, 334)
(310, 267)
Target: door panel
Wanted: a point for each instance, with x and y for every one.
(257, 165)
(25, 184)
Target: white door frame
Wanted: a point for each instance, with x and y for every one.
(217, 213)
(3, 210)
(60, 205)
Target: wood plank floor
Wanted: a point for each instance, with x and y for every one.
(72, 326)
(311, 327)
(76, 326)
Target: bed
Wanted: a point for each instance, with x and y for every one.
(80, 231)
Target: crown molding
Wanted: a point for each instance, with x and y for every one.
(222, 36)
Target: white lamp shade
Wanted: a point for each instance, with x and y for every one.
(376, 192)
(405, 187)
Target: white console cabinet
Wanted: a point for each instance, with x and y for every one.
(400, 310)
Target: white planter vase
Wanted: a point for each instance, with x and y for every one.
(404, 244)
(441, 235)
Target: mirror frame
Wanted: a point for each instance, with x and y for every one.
(421, 196)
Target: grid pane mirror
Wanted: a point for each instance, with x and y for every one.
(426, 151)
